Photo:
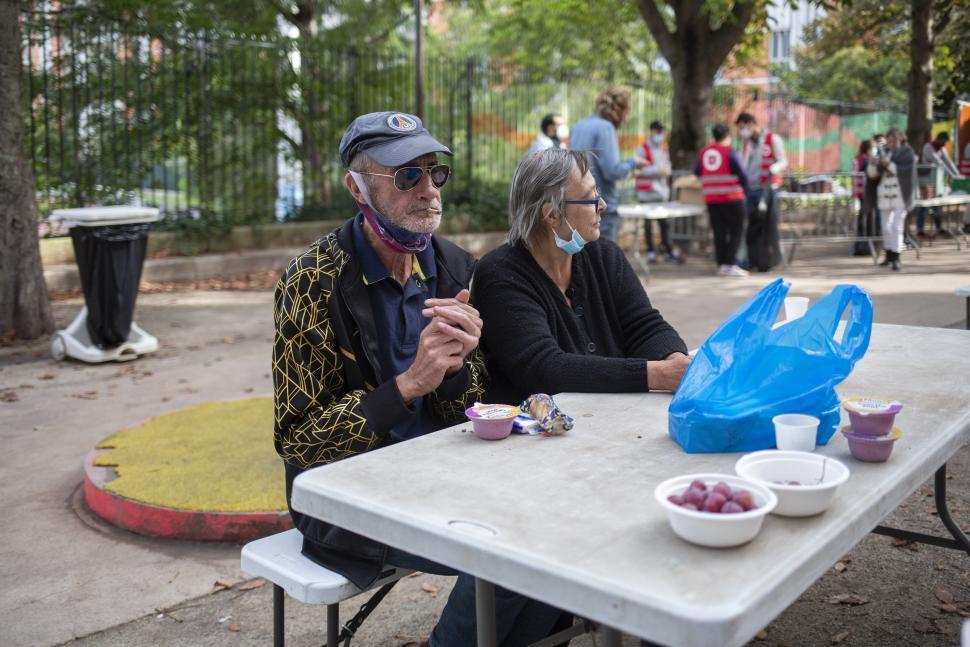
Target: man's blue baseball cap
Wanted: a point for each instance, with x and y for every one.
(389, 138)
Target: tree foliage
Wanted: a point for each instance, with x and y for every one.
(600, 40)
(855, 74)
(863, 47)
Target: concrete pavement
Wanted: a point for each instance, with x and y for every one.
(66, 575)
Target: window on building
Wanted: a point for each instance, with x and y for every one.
(780, 45)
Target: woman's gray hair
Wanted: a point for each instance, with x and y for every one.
(540, 178)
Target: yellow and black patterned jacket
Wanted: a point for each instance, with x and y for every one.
(332, 399)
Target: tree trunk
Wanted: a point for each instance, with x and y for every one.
(694, 50)
(693, 91)
(921, 74)
(24, 306)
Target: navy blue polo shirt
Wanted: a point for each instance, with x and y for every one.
(398, 319)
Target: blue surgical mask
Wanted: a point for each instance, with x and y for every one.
(572, 246)
(657, 139)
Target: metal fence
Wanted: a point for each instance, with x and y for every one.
(244, 129)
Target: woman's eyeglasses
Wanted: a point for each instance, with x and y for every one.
(595, 200)
(408, 177)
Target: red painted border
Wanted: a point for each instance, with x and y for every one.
(170, 523)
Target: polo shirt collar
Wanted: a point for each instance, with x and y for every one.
(423, 263)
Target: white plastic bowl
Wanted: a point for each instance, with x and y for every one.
(714, 529)
(767, 467)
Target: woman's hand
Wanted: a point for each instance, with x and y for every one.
(666, 374)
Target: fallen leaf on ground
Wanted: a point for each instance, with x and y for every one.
(85, 395)
(26, 386)
(47, 376)
(898, 542)
(946, 607)
(233, 627)
(249, 586)
(228, 340)
(943, 595)
(761, 635)
(430, 588)
(841, 567)
(839, 637)
(221, 585)
(9, 396)
(939, 567)
(851, 599)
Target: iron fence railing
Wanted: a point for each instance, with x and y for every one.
(235, 128)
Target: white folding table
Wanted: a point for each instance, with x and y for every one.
(571, 520)
(648, 211)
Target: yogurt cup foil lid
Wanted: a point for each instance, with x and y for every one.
(493, 411)
(870, 405)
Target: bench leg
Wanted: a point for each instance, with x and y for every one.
(277, 616)
(333, 625)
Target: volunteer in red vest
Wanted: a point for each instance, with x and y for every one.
(723, 183)
(653, 186)
(867, 215)
(764, 160)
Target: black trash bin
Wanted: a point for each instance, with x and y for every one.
(110, 260)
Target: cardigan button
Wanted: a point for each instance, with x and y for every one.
(591, 347)
(579, 311)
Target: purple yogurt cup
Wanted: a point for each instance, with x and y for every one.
(871, 449)
(872, 416)
(492, 421)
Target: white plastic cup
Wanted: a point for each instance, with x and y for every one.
(795, 307)
(795, 432)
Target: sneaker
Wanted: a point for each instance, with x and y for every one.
(733, 271)
(651, 257)
(721, 270)
(676, 258)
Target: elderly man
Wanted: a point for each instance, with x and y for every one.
(376, 344)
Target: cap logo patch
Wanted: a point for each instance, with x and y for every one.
(401, 123)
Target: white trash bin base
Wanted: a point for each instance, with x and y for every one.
(75, 342)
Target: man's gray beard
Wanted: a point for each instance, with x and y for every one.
(409, 222)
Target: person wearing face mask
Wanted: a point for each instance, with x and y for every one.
(376, 343)
(597, 133)
(896, 172)
(653, 186)
(562, 309)
(763, 156)
(552, 134)
(723, 182)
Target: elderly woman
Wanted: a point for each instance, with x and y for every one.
(562, 310)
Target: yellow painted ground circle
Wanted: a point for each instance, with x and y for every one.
(214, 457)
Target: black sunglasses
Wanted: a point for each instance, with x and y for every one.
(408, 177)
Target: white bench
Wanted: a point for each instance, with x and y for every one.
(965, 292)
(278, 559)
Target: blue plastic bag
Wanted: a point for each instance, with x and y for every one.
(746, 372)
